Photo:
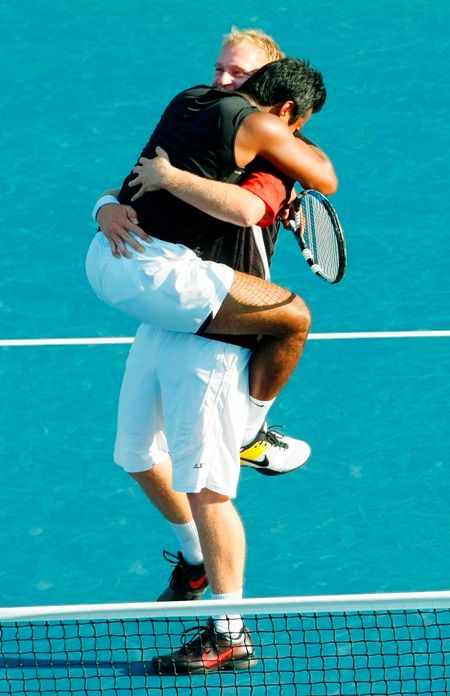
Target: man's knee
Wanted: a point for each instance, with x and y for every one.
(155, 473)
(300, 315)
(206, 497)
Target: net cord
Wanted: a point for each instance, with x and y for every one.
(267, 605)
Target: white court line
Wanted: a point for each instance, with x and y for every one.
(112, 340)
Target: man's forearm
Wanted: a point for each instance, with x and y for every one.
(266, 135)
(316, 148)
(224, 201)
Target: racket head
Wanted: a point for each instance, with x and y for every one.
(319, 234)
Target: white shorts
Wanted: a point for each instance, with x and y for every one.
(187, 396)
(167, 286)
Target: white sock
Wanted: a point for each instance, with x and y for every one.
(257, 412)
(231, 624)
(189, 542)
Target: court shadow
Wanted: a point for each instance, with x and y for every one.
(137, 669)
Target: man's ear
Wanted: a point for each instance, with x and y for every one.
(284, 110)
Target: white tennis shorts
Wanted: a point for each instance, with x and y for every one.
(167, 286)
(186, 396)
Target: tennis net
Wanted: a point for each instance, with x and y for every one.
(386, 644)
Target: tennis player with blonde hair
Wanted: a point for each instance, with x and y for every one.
(207, 511)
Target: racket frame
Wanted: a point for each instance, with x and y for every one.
(296, 227)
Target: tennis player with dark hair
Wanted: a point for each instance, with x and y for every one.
(171, 285)
(244, 249)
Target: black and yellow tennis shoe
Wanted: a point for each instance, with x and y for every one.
(273, 454)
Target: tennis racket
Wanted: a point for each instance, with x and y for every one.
(318, 232)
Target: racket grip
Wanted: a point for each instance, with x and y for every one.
(307, 255)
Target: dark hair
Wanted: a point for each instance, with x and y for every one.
(288, 79)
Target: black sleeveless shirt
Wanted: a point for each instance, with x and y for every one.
(197, 130)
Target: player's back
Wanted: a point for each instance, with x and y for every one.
(197, 130)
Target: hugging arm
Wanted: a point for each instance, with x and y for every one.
(266, 135)
(227, 202)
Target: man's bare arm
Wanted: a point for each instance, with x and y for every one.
(227, 202)
(317, 149)
(266, 135)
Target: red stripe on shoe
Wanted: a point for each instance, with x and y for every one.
(209, 662)
(197, 584)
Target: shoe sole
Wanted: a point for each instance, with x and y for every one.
(271, 472)
(173, 598)
(266, 471)
(231, 665)
(238, 665)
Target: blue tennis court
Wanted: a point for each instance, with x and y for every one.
(82, 86)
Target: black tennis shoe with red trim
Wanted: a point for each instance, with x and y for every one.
(208, 651)
(186, 582)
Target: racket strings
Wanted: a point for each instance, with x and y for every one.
(317, 229)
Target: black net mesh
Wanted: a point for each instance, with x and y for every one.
(361, 653)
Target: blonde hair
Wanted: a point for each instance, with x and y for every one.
(263, 42)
